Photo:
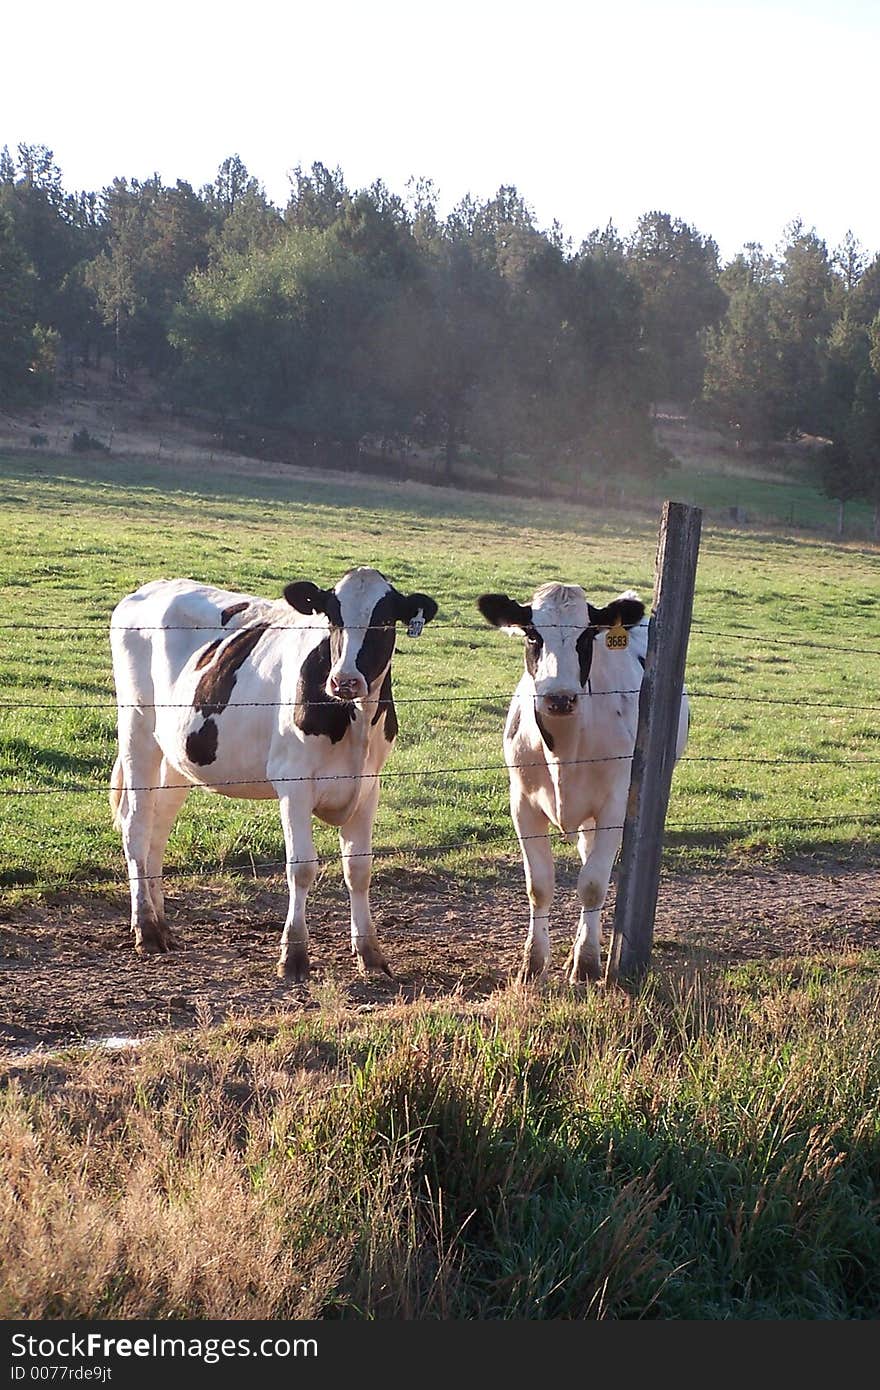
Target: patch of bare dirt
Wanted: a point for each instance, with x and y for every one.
(68, 971)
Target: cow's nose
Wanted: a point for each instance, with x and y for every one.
(348, 687)
(560, 704)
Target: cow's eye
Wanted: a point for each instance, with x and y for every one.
(534, 638)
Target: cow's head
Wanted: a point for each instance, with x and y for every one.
(559, 626)
(362, 609)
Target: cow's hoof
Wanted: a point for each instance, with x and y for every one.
(585, 972)
(155, 939)
(532, 969)
(294, 967)
(371, 960)
(527, 977)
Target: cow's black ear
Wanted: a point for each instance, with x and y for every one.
(306, 597)
(627, 611)
(408, 606)
(501, 611)
(620, 610)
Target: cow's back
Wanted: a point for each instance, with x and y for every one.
(156, 630)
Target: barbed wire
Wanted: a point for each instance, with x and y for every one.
(761, 636)
(103, 787)
(459, 622)
(444, 697)
(229, 630)
(442, 847)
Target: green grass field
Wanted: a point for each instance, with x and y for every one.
(705, 1149)
(784, 663)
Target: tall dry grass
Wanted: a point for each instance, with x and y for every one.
(708, 1149)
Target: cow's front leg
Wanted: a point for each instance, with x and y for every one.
(532, 828)
(302, 870)
(134, 787)
(598, 851)
(170, 795)
(356, 846)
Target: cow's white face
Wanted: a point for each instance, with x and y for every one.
(362, 610)
(559, 626)
(557, 641)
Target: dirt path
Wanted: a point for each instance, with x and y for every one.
(68, 971)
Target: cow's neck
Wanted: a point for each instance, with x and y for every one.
(613, 671)
(559, 764)
(371, 711)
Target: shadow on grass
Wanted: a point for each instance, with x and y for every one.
(52, 768)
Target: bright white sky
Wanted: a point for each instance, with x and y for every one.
(736, 117)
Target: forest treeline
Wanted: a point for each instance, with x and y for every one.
(355, 315)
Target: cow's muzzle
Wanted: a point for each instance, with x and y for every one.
(560, 704)
(347, 687)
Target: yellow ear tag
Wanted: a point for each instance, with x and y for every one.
(617, 637)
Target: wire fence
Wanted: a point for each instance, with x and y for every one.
(447, 694)
(428, 772)
(98, 627)
(443, 696)
(448, 846)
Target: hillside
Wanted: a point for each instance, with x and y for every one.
(735, 488)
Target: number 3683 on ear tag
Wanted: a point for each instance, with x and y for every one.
(617, 638)
(416, 625)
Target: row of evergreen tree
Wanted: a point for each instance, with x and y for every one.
(363, 314)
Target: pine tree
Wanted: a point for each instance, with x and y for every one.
(17, 284)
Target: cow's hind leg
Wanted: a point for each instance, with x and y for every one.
(593, 880)
(532, 830)
(170, 796)
(355, 843)
(302, 870)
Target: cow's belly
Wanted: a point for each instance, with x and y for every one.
(583, 802)
(231, 761)
(574, 811)
(338, 791)
(575, 796)
(336, 806)
(250, 791)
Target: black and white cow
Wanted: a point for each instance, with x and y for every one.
(569, 738)
(252, 697)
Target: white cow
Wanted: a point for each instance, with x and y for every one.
(568, 741)
(252, 697)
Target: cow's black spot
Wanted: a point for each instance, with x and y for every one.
(377, 647)
(513, 722)
(231, 611)
(534, 647)
(333, 609)
(201, 745)
(385, 706)
(215, 687)
(206, 654)
(544, 731)
(641, 661)
(316, 712)
(585, 653)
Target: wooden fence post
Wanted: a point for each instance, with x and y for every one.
(654, 755)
